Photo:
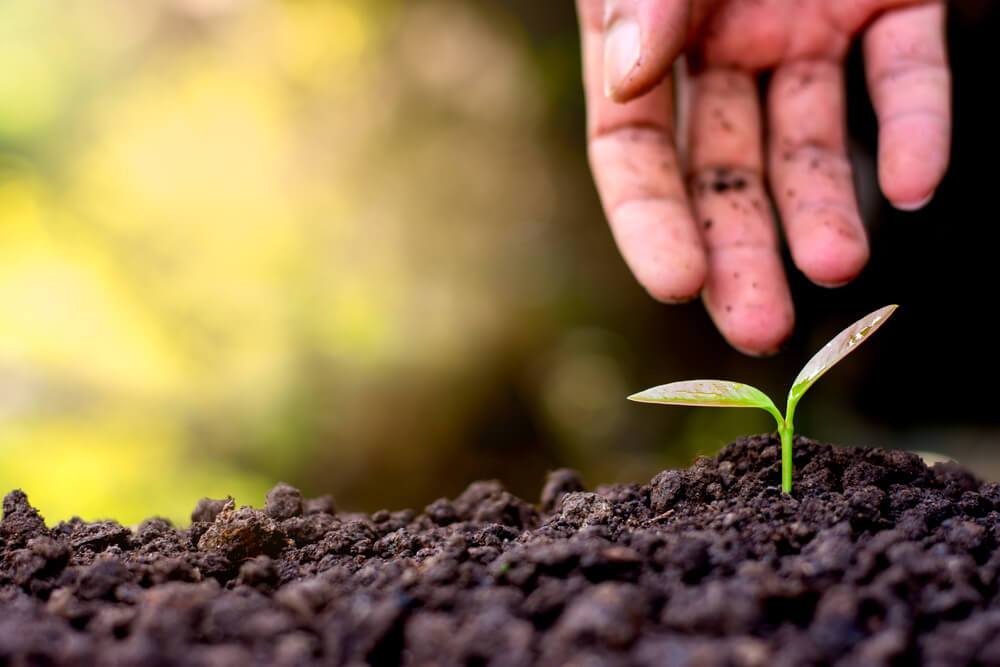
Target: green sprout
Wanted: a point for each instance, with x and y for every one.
(725, 394)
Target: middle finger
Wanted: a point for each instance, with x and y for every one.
(746, 292)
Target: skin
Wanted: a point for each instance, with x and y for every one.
(688, 170)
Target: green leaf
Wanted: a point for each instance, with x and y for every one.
(842, 345)
(710, 394)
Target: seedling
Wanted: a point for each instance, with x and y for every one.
(725, 394)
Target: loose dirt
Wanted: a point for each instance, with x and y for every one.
(876, 560)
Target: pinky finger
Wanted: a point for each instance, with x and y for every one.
(907, 71)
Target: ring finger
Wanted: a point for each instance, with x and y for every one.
(746, 292)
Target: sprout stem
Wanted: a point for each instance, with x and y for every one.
(786, 431)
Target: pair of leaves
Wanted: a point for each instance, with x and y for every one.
(726, 394)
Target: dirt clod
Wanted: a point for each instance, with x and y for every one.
(283, 502)
(241, 534)
(207, 509)
(557, 484)
(20, 520)
(875, 560)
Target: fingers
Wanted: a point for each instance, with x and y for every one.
(641, 40)
(638, 178)
(746, 293)
(907, 70)
(850, 16)
(810, 173)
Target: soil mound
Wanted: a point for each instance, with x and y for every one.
(877, 559)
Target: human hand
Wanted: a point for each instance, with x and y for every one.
(693, 215)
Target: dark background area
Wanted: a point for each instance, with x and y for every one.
(926, 382)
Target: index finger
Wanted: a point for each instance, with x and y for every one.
(642, 40)
(638, 176)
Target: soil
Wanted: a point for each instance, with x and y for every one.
(876, 560)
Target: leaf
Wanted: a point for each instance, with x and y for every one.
(842, 345)
(708, 393)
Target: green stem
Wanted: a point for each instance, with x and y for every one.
(787, 431)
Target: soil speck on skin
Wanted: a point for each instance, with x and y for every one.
(719, 181)
(722, 185)
(875, 559)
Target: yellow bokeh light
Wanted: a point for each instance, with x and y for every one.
(227, 228)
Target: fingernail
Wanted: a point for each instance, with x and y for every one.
(621, 53)
(917, 205)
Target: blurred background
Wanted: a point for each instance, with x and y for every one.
(354, 245)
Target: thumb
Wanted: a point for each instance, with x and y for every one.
(642, 38)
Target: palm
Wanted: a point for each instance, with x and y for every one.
(763, 35)
(693, 217)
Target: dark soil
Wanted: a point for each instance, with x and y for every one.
(876, 560)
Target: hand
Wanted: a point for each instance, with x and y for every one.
(694, 216)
